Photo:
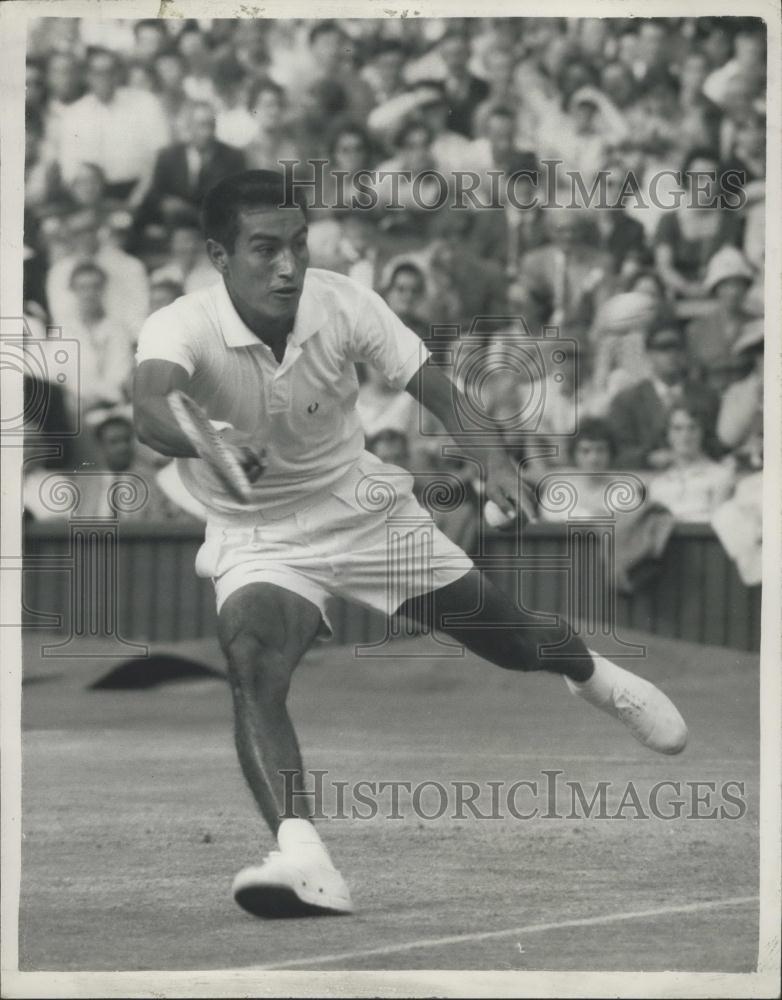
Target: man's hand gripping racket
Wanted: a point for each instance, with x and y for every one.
(233, 456)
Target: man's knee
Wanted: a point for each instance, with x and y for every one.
(258, 667)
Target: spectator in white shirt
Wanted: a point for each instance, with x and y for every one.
(748, 65)
(693, 485)
(127, 286)
(105, 344)
(119, 128)
(198, 84)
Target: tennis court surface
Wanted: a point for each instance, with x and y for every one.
(136, 819)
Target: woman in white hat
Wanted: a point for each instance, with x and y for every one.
(711, 338)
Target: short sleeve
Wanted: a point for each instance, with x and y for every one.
(379, 338)
(164, 337)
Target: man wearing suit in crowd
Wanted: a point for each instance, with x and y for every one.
(639, 414)
(185, 171)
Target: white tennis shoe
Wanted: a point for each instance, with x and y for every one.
(651, 716)
(291, 885)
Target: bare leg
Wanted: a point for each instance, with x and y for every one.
(264, 632)
(514, 646)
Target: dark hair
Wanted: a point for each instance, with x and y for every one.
(325, 27)
(183, 220)
(227, 73)
(149, 22)
(350, 128)
(693, 410)
(87, 267)
(249, 189)
(502, 111)
(664, 323)
(699, 153)
(387, 45)
(265, 86)
(593, 429)
(411, 125)
(100, 50)
(406, 267)
(169, 52)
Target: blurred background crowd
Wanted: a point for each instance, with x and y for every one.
(128, 123)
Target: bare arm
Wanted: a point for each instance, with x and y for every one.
(155, 424)
(438, 394)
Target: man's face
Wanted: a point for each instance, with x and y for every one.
(592, 456)
(201, 127)
(388, 67)
(684, 434)
(694, 73)
(88, 289)
(499, 69)
(618, 82)
(102, 77)
(350, 152)
(149, 41)
(170, 71)
(583, 115)
(62, 77)
(666, 355)
(265, 270)
(417, 152)
(83, 238)
(749, 52)
(116, 443)
(651, 43)
(405, 293)
(268, 109)
(455, 54)
(327, 50)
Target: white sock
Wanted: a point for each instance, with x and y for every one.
(299, 836)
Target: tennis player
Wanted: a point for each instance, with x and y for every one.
(269, 352)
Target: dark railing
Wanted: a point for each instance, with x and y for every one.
(695, 595)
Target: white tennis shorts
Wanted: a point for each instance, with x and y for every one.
(366, 539)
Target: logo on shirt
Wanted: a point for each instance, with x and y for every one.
(312, 407)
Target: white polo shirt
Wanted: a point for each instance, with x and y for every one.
(303, 410)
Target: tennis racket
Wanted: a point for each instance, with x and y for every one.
(209, 446)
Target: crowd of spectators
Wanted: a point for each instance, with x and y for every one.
(128, 123)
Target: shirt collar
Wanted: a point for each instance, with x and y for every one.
(309, 318)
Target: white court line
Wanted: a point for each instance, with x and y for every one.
(611, 918)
